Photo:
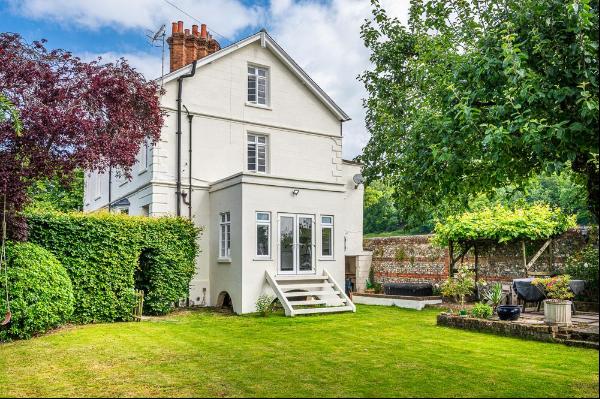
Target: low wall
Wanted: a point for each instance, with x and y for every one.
(415, 259)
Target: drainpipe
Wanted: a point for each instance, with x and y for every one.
(179, 92)
(189, 199)
(109, 188)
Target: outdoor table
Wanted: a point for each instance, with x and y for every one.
(533, 294)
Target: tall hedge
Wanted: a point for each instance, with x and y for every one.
(107, 256)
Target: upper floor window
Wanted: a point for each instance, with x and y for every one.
(145, 156)
(257, 153)
(258, 85)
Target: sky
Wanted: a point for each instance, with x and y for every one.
(323, 36)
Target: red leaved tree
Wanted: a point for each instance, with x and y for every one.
(74, 114)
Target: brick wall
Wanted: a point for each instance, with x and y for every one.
(415, 259)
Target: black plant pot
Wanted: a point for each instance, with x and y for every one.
(509, 312)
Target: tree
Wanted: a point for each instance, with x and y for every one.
(74, 114)
(58, 194)
(474, 95)
(380, 213)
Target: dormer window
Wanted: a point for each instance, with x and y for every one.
(258, 85)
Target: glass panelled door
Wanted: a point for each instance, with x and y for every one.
(287, 244)
(296, 244)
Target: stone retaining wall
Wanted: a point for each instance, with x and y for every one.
(415, 259)
(538, 332)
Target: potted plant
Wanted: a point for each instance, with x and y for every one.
(493, 295)
(459, 286)
(557, 308)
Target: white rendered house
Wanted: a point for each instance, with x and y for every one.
(256, 160)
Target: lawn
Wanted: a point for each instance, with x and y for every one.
(377, 351)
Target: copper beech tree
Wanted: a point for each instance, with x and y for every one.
(73, 114)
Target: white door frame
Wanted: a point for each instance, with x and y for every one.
(296, 243)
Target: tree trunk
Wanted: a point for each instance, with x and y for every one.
(587, 166)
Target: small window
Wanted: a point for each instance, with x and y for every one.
(258, 85)
(327, 236)
(225, 235)
(144, 156)
(257, 153)
(263, 234)
(98, 186)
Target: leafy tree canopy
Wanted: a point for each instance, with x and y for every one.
(58, 194)
(73, 115)
(475, 95)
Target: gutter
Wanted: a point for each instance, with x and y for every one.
(179, 92)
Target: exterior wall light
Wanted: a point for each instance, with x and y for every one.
(295, 192)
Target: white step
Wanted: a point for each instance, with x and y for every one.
(310, 293)
(302, 303)
(302, 286)
(299, 277)
(330, 309)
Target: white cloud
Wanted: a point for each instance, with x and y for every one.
(226, 17)
(147, 64)
(323, 37)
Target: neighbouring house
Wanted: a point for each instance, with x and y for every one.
(251, 150)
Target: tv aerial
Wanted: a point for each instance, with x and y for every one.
(157, 39)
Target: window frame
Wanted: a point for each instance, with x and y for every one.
(257, 77)
(256, 144)
(144, 160)
(225, 242)
(266, 223)
(331, 226)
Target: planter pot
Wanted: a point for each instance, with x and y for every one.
(508, 312)
(557, 312)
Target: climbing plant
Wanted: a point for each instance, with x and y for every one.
(502, 224)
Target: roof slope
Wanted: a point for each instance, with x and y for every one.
(267, 42)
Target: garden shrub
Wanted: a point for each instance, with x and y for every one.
(108, 256)
(482, 311)
(265, 304)
(40, 291)
(583, 265)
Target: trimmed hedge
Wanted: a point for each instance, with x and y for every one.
(107, 256)
(40, 291)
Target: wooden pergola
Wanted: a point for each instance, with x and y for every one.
(466, 245)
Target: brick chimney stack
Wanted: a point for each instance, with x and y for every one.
(186, 46)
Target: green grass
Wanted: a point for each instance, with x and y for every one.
(377, 351)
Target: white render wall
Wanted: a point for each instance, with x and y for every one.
(304, 152)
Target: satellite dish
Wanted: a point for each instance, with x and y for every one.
(358, 179)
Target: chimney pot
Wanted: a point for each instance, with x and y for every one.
(180, 26)
(174, 27)
(203, 31)
(195, 30)
(187, 32)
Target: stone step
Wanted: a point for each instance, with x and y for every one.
(308, 303)
(331, 309)
(299, 277)
(311, 293)
(302, 286)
